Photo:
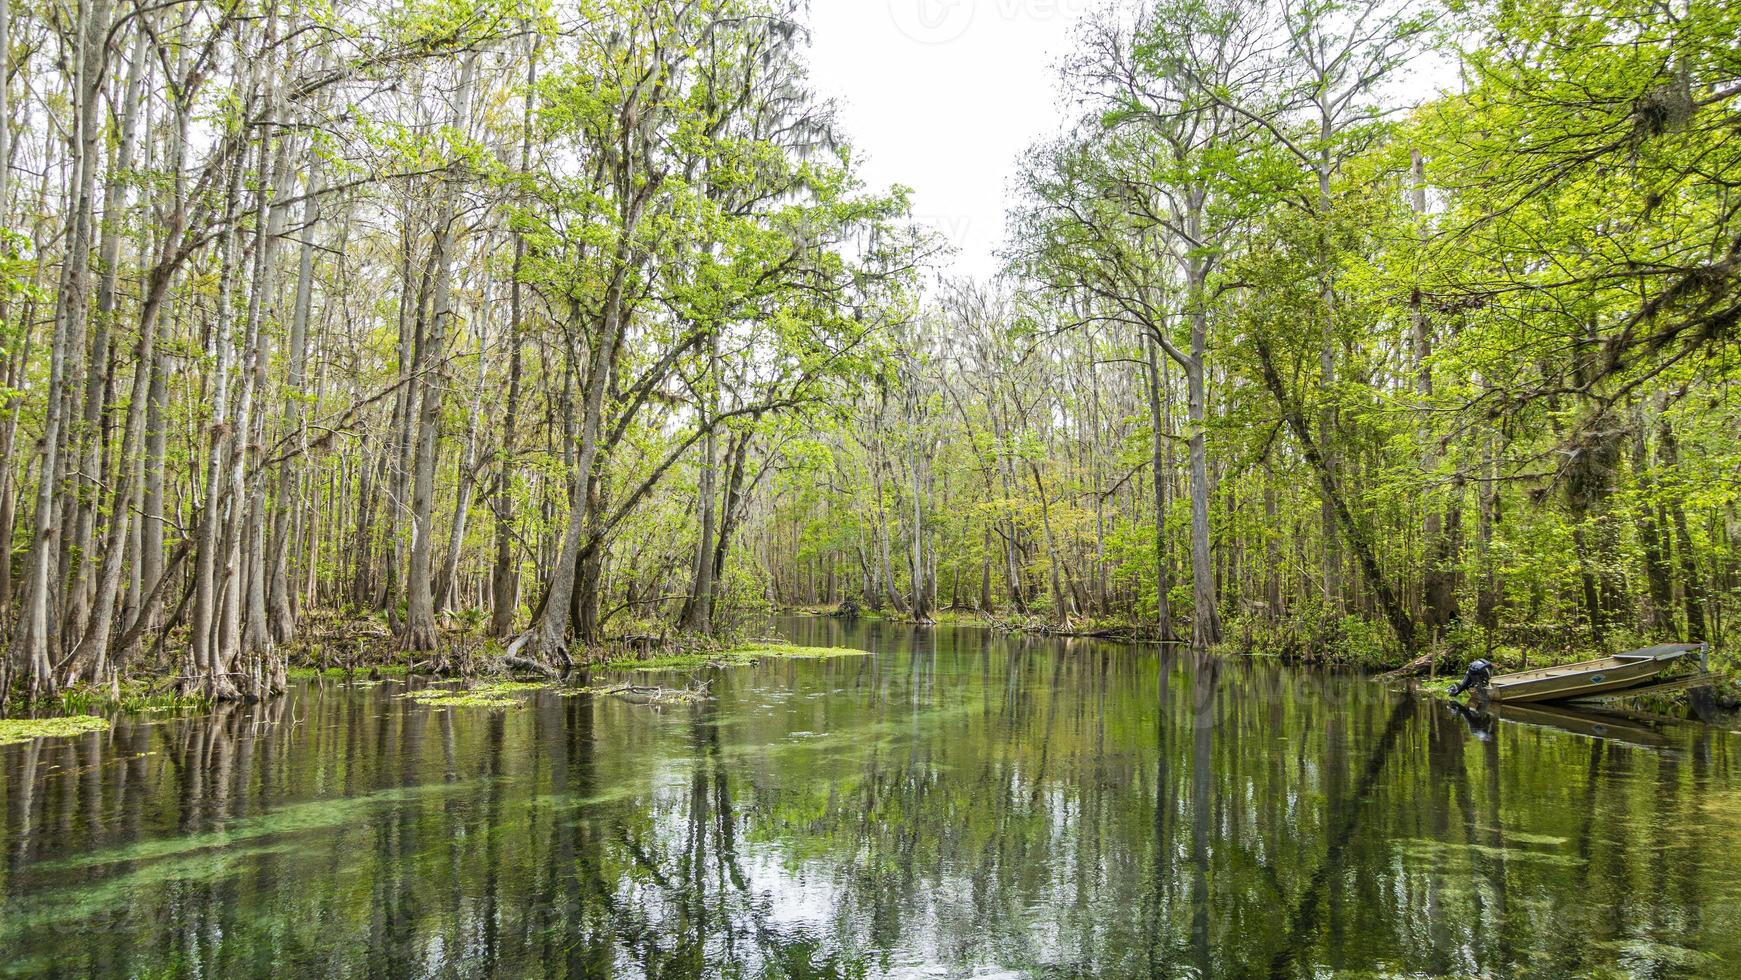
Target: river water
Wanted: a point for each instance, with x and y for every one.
(962, 803)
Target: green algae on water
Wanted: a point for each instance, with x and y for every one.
(15, 730)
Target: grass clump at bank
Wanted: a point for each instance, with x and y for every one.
(131, 697)
(16, 730)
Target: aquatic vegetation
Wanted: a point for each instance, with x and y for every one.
(1645, 952)
(1435, 854)
(571, 802)
(134, 696)
(980, 787)
(341, 671)
(505, 694)
(1516, 837)
(511, 687)
(640, 695)
(162, 701)
(741, 656)
(493, 694)
(319, 816)
(204, 857)
(60, 907)
(15, 730)
(787, 651)
(681, 661)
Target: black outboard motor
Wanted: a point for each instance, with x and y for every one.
(1480, 672)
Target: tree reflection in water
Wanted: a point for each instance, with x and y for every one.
(961, 802)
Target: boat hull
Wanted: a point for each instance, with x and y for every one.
(1586, 679)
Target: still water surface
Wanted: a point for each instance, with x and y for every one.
(961, 804)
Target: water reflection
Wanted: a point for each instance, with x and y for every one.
(962, 803)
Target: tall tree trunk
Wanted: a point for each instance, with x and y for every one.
(505, 580)
(151, 519)
(1272, 588)
(1488, 597)
(1159, 461)
(89, 659)
(256, 640)
(465, 480)
(420, 632)
(246, 646)
(33, 641)
(1332, 558)
(1439, 579)
(1658, 574)
(731, 514)
(1061, 606)
(5, 104)
(210, 677)
(923, 601)
(1206, 616)
(589, 579)
(9, 485)
(697, 616)
(370, 475)
(280, 607)
(551, 630)
(1011, 531)
(99, 379)
(1692, 583)
(885, 568)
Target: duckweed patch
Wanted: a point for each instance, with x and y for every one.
(15, 730)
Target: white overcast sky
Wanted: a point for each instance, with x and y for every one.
(943, 96)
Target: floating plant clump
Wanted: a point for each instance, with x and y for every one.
(15, 730)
